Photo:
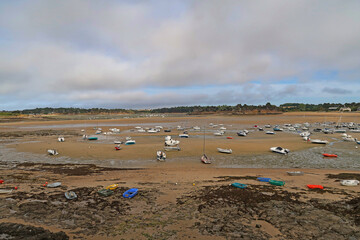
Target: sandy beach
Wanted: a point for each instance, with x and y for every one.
(180, 198)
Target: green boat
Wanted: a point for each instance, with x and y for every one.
(277, 183)
(239, 185)
(92, 138)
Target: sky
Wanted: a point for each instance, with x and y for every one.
(151, 54)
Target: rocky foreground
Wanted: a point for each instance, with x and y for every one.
(214, 210)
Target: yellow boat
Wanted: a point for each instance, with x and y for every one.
(112, 187)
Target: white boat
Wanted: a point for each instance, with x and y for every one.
(160, 156)
(280, 150)
(196, 128)
(222, 150)
(61, 139)
(267, 126)
(170, 148)
(117, 142)
(138, 127)
(340, 131)
(52, 152)
(305, 134)
(348, 138)
(220, 133)
(141, 130)
(171, 142)
(318, 141)
(355, 130)
(270, 132)
(152, 130)
(205, 159)
(295, 173)
(130, 142)
(349, 182)
(242, 134)
(184, 135)
(222, 128)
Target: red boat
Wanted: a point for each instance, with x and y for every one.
(229, 137)
(118, 148)
(315, 186)
(329, 155)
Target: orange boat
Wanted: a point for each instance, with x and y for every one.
(329, 155)
(315, 186)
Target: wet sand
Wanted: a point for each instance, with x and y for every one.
(177, 199)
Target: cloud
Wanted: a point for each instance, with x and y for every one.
(336, 90)
(65, 48)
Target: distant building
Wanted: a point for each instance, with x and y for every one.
(333, 108)
(345, 109)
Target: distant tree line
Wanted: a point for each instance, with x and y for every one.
(238, 109)
(323, 107)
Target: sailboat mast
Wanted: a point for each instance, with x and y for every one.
(204, 141)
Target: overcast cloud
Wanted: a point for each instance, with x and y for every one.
(140, 54)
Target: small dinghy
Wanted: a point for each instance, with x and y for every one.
(318, 141)
(5, 191)
(295, 173)
(280, 150)
(222, 150)
(117, 148)
(277, 183)
(70, 195)
(329, 155)
(349, 182)
(263, 179)
(239, 185)
(241, 134)
(229, 137)
(130, 193)
(315, 186)
(112, 187)
(54, 185)
(52, 152)
(205, 159)
(160, 156)
(105, 192)
(92, 138)
(270, 132)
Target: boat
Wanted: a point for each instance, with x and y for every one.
(280, 150)
(5, 191)
(358, 142)
(70, 195)
(242, 134)
(170, 148)
(117, 148)
(167, 130)
(315, 186)
(52, 152)
(171, 142)
(277, 183)
(219, 133)
(270, 132)
(355, 130)
(349, 182)
(222, 150)
(160, 156)
(61, 139)
(112, 187)
(239, 185)
(130, 193)
(349, 138)
(305, 134)
(130, 142)
(295, 173)
(318, 141)
(267, 126)
(329, 155)
(277, 129)
(263, 179)
(229, 137)
(340, 131)
(184, 135)
(53, 185)
(105, 192)
(92, 138)
(204, 158)
(141, 130)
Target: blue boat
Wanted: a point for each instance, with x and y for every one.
(263, 179)
(92, 138)
(130, 193)
(239, 185)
